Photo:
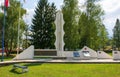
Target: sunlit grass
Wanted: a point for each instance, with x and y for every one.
(5, 58)
(63, 70)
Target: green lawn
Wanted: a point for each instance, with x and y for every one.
(7, 58)
(64, 70)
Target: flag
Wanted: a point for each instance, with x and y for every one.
(6, 3)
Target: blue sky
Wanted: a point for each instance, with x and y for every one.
(111, 8)
(31, 4)
(30, 7)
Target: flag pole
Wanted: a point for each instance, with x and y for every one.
(18, 45)
(3, 34)
(18, 38)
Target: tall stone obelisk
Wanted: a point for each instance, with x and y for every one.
(59, 33)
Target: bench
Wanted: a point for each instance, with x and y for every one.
(24, 68)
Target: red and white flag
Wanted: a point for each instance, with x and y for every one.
(6, 3)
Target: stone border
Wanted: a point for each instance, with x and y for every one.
(99, 61)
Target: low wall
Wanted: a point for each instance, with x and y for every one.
(93, 55)
(103, 55)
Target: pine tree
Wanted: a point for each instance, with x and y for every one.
(116, 34)
(42, 25)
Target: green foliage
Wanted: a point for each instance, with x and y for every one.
(83, 30)
(103, 37)
(116, 34)
(70, 13)
(43, 25)
(63, 70)
(26, 39)
(11, 24)
(1, 22)
(91, 29)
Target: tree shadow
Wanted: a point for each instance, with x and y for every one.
(19, 70)
(33, 64)
(16, 71)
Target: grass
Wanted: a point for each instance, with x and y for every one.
(8, 58)
(63, 70)
(110, 54)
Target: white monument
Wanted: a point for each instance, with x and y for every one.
(26, 54)
(103, 55)
(116, 55)
(59, 33)
(84, 53)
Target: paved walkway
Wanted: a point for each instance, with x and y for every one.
(95, 61)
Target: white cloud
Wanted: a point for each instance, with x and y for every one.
(30, 12)
(29, 15)
(1, 2)
(111, 8)
(110, 5)
(112, 12)
(109, 22)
